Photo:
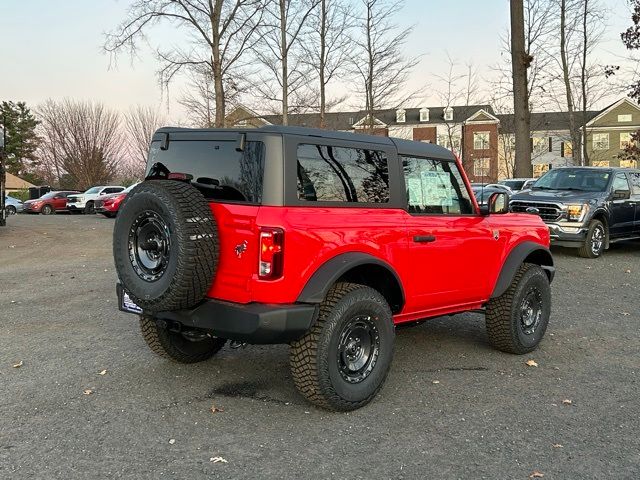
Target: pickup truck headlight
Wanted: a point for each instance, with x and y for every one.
(576, 213)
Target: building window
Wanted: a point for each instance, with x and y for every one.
(481, 167)
(241, 123)
(424, 115)
(629, 163)
(448, 114)
(539, 145)
(452, 142)
(600, 163)
(625, 118)
(601, 141)
(567, 149)
(481, 140)
(401, 116)
(625, 140)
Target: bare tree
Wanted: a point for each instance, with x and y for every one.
(457, 89)
(81, 140)
(285, 77)
(222, 31)
(520, 61)
(140, 123)
(574, 129)
(326, 48)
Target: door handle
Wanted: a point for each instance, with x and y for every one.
(424, 238)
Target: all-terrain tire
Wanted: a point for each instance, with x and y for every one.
(595, 241)
(187, 245)
(316, 361)
(177, 346)
(509, 325)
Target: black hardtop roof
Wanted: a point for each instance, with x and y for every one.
(404, 147)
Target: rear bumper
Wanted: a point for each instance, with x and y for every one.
(255, 323)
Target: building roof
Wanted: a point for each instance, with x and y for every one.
(16, 183)
(346, 120)
(543, 121)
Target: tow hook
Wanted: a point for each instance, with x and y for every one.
(235, 344)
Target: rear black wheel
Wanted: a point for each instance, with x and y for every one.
(343, 361)
(184, 346)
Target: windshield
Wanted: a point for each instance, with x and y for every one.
(586, 180)
(93, 190)
(49, 195)
(512, 184)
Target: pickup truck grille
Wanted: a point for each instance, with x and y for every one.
(549, 212)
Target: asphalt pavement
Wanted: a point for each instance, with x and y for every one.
(90, 400)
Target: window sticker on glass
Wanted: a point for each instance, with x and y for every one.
(436, 188)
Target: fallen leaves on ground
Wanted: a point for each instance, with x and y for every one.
(215, 409)
(102, 372)
(557, 445)
(627, 270)
(532, 363)
(172, 441)
(18, 365)
(566, 401)
(218, 460)
(536, 474)
(436, 382)
(88, 391)
(625, 314)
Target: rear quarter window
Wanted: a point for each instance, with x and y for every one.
(219, 171)
(635, 182)
(328, 173)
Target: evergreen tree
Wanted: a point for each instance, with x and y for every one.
(21, 139)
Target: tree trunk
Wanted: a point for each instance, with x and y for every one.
(216, 64)
(323, 48)
(520, 63)
(576, 149)
(285, 66)
(583, 80)
(370, 66)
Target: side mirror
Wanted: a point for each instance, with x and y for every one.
(621, 194)
(498, 203)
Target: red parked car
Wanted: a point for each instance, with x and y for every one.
(325, 241)
(49, 203)
(108, 205)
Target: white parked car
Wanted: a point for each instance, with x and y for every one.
(84, 202)
(518, 184)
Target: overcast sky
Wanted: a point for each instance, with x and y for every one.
(52, 49)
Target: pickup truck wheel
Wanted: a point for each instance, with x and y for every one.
(343, 361)
(188, 346)
(595, 242)
(517, 320)
(165, 245)
(11, 210)
(89, 208)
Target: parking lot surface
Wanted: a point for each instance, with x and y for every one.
(90, 400)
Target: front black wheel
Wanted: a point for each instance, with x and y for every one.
(11, 210)
(595, 241)
(517, 320)
(89, 208)
(343, 361)
(185, 346)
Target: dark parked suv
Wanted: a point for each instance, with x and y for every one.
(585, 207)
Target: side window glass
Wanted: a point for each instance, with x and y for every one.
(435, 187)
(620, 182)
(635, 182)
(340, 174)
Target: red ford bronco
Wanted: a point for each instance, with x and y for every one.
(325, 241)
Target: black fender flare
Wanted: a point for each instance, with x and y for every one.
(541, 256)
(328, 274)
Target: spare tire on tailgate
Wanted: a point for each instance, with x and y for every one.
(165, 245)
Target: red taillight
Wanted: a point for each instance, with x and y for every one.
(271, 253)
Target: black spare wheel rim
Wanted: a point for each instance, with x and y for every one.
(358, 349)
(149, 245)
(531, 311)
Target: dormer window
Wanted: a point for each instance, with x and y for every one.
(448, 114)
(424, 114)
(401, 116)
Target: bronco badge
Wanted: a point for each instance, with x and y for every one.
(241, 248)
